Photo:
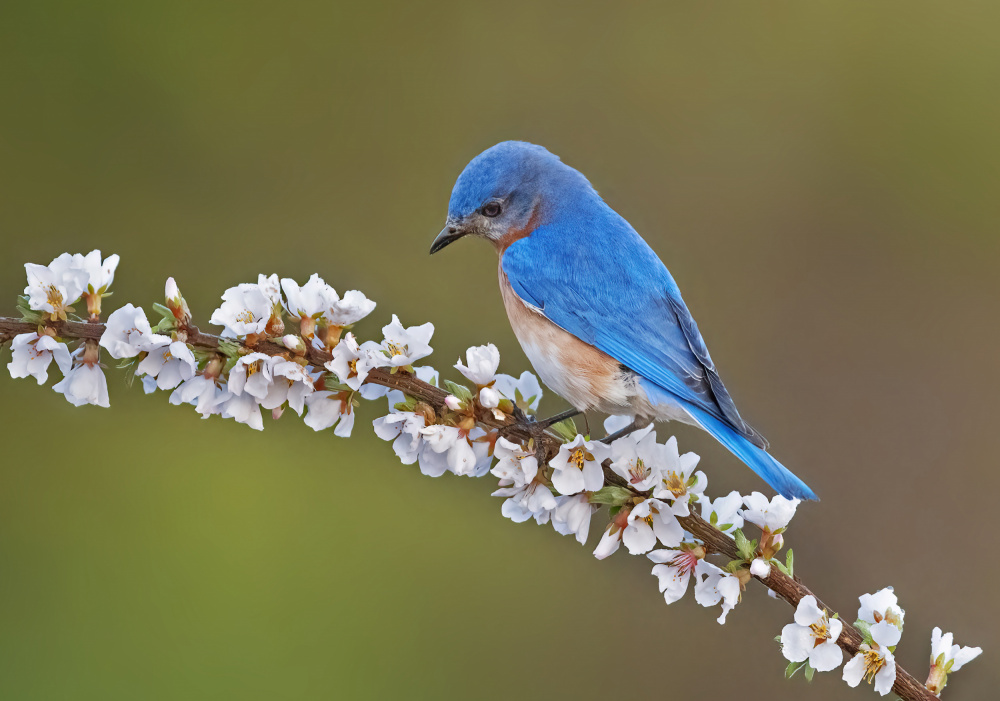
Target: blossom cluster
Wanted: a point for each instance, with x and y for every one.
(810, 643)
(288, 346)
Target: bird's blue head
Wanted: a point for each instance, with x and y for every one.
(507, 191)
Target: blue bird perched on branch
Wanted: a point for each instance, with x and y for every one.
(595, 310)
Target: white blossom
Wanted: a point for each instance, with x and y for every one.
(127, 333)
(577, 466)
(100, 274)
(515, 466)
(714, 585)
(31, 355)
(945, 653)
(572, 516)
(204, 393)
(813, 637)
(351, 362)
(85, 383)
(326, 409)
(53, 288)
(772, 515)
(533, 500)
(524, 392)
(252, 375)
(723, 513)
(637, 457)
(404, 346)
(946, 657)
(679, 482)
(648, 521)
(875, 661)
(170, 362)
(350, 309)
(525, 497)
(245, 310)
(289, 383)
(674, 568)
(481, 364)
(311, 300)
(244, 408)
(881, 606)
(403, 429)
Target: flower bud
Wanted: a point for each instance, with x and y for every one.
(176, 303)
(489, 398)
(294, 343)
(760, 568)
(307, 327)
(453, 402)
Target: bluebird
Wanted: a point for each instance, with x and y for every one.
(595, 310)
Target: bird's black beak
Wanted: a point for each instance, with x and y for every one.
(449, 234)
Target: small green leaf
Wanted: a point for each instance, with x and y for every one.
(713, 518)
(613, 511)
(407, 405)
(566, 430)
(27, 313)
(866, 630)
(615, 496)
(781, 567)
(792, 668)
(229, 349)
(747, 548)
(460, 391)
(809, 672)
(789, 563)
(725, 527)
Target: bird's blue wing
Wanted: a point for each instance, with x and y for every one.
(602, 283)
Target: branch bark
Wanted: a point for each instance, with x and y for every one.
(790, 589)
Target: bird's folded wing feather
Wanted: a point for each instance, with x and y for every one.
(609, 289)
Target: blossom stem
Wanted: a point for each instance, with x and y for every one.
(517, 427)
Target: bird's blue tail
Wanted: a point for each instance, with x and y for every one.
(769, 469)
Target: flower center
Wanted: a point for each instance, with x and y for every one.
(820, 631)
(684, 562)
(396, 348)
(53, 296)
(675, 483)
(638, 472)
(353, 365)
(873, 663)
(578, 457)
(252, 368)
(245, 317)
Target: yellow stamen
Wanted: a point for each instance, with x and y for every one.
(245, 317)
(675, 483)
(873, 663)
(54, 297)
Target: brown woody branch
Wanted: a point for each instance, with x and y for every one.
(788, 588)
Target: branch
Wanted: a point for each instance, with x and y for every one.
(546, 445)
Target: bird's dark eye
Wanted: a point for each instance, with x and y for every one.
(491, 209)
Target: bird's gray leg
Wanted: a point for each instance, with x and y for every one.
(636, 425)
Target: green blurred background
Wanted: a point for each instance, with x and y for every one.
(821, 178)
